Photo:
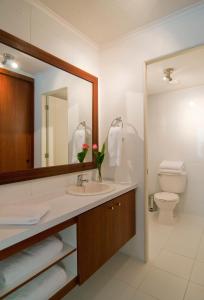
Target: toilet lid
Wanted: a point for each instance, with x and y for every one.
(166, 196)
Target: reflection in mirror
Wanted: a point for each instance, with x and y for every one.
(45, 113)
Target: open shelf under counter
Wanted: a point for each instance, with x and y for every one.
(72, 281)
(65, 252)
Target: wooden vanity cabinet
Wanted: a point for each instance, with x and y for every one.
(102, 231)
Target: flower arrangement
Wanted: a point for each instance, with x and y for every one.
(99, 158)
(81, 155)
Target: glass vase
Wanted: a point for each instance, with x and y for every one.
(100, 179)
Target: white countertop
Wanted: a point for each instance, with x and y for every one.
(61, 209)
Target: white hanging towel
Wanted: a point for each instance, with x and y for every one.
(115, 145)
(172, 165)
(79, 138)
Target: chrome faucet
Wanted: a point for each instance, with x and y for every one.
(80, 180)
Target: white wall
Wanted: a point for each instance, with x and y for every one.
(122, 65)
(30, 22)
(176, 132)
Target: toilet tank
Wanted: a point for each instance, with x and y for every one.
(173, 183)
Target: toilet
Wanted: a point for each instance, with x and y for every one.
(172, 183)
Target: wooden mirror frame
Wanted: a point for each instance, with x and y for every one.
(22, 175)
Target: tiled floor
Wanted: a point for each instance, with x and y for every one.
(175, 270)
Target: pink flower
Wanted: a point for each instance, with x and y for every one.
(95, 146)
(85, 146)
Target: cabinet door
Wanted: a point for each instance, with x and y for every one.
(124, 219)
(95, 239)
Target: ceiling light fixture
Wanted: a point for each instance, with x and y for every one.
(168, 75)
(9, 61)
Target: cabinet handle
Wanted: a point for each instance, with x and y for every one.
(111, 207)
(118, 204)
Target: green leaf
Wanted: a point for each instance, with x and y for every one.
(81, 155)
(103, 148)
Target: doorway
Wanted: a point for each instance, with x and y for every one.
(175, 132)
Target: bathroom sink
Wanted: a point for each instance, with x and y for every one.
(91, 188)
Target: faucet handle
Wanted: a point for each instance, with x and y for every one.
(80, 179)
(80, 176)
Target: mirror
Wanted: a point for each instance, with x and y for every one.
(46, 112)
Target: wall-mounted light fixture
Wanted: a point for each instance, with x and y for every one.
(168, 75)
(9, 61)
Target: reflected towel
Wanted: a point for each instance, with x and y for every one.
(79, 138)
(115, 145)
(22, 264)
(22, 215)
(43, 286)
(172, 165)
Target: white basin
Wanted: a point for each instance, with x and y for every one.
(91, 188)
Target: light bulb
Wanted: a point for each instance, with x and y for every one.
(14, 65)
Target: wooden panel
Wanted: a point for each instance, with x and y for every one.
(65, 290)
(16, 122)
(125, 220)
(102, 231)
(95, 245)
(29, 49)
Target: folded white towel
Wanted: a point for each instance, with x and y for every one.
(14, 267)
(172, 165)
(79, 138)
(22, 215)
(45, 250)
(43, 286)
(169, 171)
(115, 145)
(24, 263)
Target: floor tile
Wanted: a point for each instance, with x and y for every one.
(198, 273)
(131, 272)
(174, 263)
(194, 292)
(141, 296)
(190, 222)
(184, 242)
(97, 289)
(163, 285)
(200, 255)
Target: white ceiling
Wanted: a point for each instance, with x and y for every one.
(105, 20)
(188, 72)
(28, 65)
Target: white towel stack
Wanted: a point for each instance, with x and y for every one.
(22, 264)
(171, 167)
(115, 145)
(79, 139)
(43, 286)
(23, 215)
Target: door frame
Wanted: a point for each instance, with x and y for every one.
(146, 63)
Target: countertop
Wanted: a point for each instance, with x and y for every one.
(62, 208)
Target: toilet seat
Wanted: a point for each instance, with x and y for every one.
(165, 196)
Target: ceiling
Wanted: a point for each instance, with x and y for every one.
(28, 65)
(105, 20)
(188, 72)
